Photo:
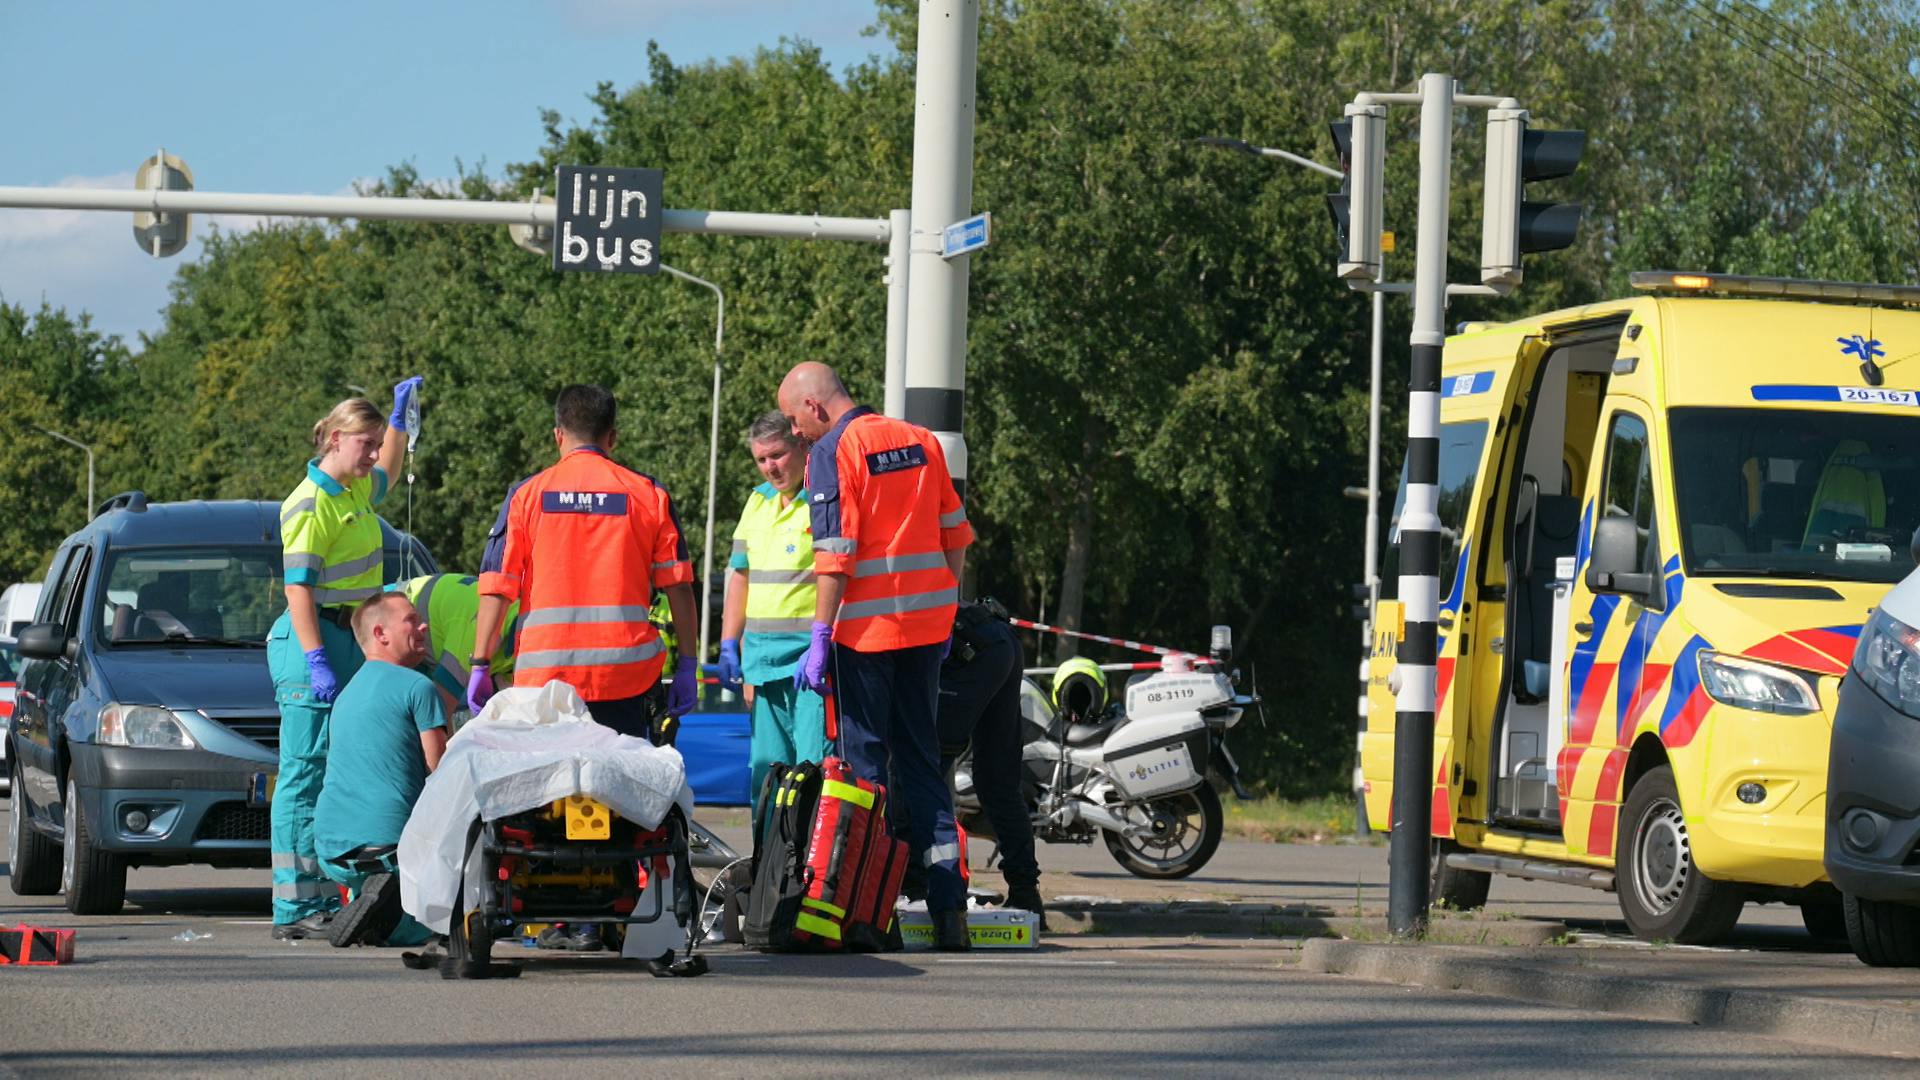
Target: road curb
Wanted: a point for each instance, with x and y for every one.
(1179, 918)
(1846, 1025)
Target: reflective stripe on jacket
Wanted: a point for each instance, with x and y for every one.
(773, 548)
(330, 537)
(587, 543)
(451, 603)
(885, 514)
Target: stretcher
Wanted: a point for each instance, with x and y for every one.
(574, 861)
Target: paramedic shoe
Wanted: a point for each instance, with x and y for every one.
(584, 938)
(311, 926)
(950, 931)
(1027, 898)
(372, 915)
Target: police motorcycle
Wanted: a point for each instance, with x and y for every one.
(1136, 777)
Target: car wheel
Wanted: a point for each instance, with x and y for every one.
(33, 860)
(1663, 895)
(1882, 933)
(95, 881)
(1454, 888)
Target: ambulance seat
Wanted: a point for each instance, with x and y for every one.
(1555, 533)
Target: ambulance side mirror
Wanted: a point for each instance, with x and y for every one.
(1913, 546)
(1614, 568)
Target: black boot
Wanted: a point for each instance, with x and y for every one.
(1027, 898)
(950, 931)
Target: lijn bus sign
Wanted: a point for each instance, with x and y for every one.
(607, 220)
(963, 237)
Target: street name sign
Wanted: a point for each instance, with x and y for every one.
(966, 236)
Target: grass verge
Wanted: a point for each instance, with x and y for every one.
(1325, 819)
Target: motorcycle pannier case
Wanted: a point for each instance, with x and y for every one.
(1158, 754)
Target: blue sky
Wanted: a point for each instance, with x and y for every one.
(278, 97)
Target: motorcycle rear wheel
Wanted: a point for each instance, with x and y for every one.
(1188, 827)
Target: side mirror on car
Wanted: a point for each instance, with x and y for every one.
(1913, 546)
(43, 641)
(1614, 568)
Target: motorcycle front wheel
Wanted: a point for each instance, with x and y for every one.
(1186, 832)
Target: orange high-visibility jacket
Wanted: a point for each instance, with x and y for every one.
(885, 514)
(587, 543)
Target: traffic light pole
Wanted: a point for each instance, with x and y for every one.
(1408, 855)
(1514, 228)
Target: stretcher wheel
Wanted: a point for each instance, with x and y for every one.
(469, 937)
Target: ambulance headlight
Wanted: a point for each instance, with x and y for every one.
(1750, 684)
(142, 726)
(1888, 658)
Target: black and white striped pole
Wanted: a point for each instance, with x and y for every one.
(1407, 888)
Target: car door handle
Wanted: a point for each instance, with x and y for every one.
(1584, 629)
(1445, 619)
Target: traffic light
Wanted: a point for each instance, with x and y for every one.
(1512, 225)
(164, 234)
(1361, 142)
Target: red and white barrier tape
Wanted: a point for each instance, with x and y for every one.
(1160, 650)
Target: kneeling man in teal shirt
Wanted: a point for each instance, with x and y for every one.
(389, 729)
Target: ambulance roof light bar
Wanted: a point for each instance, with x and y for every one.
(1676, 283)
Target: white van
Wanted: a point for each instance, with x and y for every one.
(16, 608)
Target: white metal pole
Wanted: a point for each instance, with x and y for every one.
(942, 194)
(472, 211)
(899, 254)
(1372, 579)
(713, 449)
(1413, 781)
(88, 450)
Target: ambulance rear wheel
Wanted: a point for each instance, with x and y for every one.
(1186, 832)
(1663, 895)
(1454, 888)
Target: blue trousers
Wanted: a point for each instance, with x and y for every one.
(887, 703)
(300, 888)
(789, 726)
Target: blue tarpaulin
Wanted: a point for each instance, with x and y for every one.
(715, 746)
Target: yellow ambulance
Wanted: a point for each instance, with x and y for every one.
(1665, 519)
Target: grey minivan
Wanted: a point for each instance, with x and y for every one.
(144, 731)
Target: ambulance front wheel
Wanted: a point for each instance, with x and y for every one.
(1454, 888)
(1663, 895)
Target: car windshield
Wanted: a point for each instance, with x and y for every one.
(1797, 493)
(191, 596)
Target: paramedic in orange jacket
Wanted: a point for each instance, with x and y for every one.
(587, 543)
(889, 539)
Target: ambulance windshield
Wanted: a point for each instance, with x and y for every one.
(1791, 493)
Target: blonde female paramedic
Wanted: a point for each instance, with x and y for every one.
(331, 557)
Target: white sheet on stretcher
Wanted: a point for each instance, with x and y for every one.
(528, 747)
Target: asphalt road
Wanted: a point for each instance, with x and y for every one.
(141, 1001)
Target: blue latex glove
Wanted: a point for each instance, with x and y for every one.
(812, 672)
(402, 401)
(946, 648)
(684, 692)
(729, 666)
(320, 677)
(479, 687)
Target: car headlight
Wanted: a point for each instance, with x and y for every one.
(143, 726)
(1750, 684)
(1888, 658)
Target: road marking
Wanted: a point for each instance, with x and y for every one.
(1024, 961)
(247, 922)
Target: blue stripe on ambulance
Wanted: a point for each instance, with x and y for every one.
(1686, 679)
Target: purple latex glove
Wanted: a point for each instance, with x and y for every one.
(320, 677)
(403, 392)
(728, 669)
(479, 687)
(812, 672)
(684, 692)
